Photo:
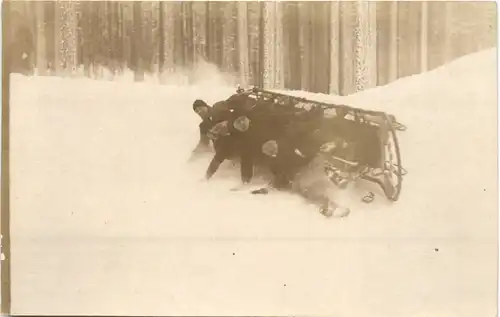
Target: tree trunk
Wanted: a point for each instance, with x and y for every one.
(243, 39)
(188, 32)
(305, 45)
(366, 46)
(137, 42)
(348, 47)
(229, 28)
(169, 14)
(291, 48)
(383, 41)
(86, 33)
(40, 39)
(262, 44)
(269, 19)
(279, 80)
(66, 37)
(438, 38)
(155, 34)
(161, 30)
(111, 37)
(320, 62)
(393, 41)
(178, 30)
(217, 33)
(147, 48)
(200, 17)
(424, 31)
(334, 49)
(409, 29)
(254, 40)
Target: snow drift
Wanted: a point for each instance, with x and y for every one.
(108, 217)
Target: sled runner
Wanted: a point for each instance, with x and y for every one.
(359, 143)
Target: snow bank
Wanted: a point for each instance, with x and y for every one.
(109, 218)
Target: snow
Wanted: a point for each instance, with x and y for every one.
(108, 217)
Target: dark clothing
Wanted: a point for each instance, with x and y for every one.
(291, 127)
(245, 145)
(232, 146)
(218, 113)
(363, 140)
(296, 148)
(205, 126)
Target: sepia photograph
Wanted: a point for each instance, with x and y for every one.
(249, 158)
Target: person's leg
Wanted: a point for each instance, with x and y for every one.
(222, 152)
(246, 166)
(314, 185)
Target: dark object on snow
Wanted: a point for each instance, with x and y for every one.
(368, 198)
(260, 191)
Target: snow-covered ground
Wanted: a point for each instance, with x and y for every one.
(109, 218)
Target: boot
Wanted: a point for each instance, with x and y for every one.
(331, 209)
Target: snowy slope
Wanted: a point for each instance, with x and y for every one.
(109, 218)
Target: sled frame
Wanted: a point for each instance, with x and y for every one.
(392, 170)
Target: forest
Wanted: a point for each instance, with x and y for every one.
(336, 47)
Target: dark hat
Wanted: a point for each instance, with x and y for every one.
(199, 103)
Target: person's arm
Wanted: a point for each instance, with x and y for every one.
(204, 139)
(204, 142)
(214, 165)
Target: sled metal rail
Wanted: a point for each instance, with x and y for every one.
(274, 95)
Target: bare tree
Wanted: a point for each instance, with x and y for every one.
(161, 34)
(187, 14)
(305, 44)
(269, 19)
(438, 38)
(334, 48)
(424, 34)
(243, 39)
(348, 11)
(41, 57)
(148, 47)
(366, 45)
(178, 36)
(393, 41)
(215, 22)
(229, 42)
(166, 38)
(200, 31)
(290, 50)
(255, 41)
(66, 37)
(409, 18)
(137, 42)
(320, 61)
(279, 79)
(337, 46)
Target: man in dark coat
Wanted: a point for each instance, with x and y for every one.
(225, 125)
(243, 125)
(203, 110)
(210, 116)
